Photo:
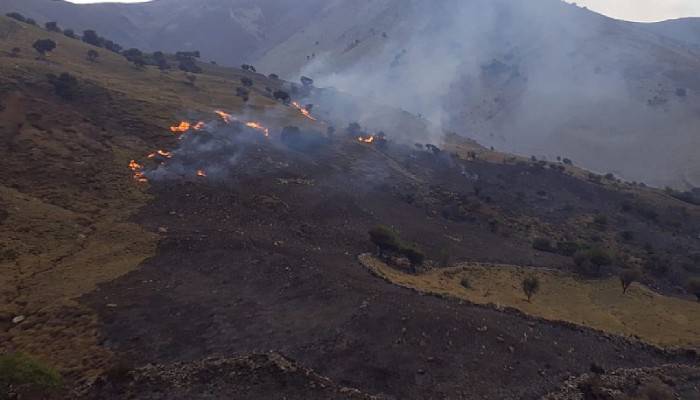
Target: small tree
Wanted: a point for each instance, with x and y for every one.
(385, 239)
(65, 85)
(52, 26)
(274, 76)
(531, 285)
(69, 33)
(629, 276)
(16, 16)
(282, 96)
(190, 65)
(92, 55)
(91, 37)
(694, 287)
(247, 82)
(248, 67)
(414, 255)
(306, 81)
(44, 46)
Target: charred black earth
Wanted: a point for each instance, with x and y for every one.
(261, 257)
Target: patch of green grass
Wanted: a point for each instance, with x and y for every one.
(21, 370)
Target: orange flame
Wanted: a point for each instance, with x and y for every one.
(201, 173)
(199, 126)
(303, 111)
(161, 153)
(183, 127)
(258, 126)
(228, 118)
(137, 168)
(366, 139)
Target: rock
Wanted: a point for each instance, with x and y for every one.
(18, 319)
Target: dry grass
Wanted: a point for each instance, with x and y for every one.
(656, 319)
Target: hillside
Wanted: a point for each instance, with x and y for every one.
(539, 78)
(166, 238)
(181, 25)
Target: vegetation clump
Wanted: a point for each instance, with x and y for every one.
(65, 85)
(590, 262)
(693, 287)
(43, 46)
(627, 277)
(531, 285)
(19, 371)
(388, 241)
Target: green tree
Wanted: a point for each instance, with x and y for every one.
(629, 276)
(531, 285)
(385, 239)
(44, 46)
(693, 287)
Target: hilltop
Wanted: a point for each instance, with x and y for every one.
(142, 243)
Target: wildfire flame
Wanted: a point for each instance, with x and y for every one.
(366, 139)
(137, 169)
(199, 126)
(201, 173)
(228, 118)
(258, 126)
(161, 153)
(182, 128)
(303, 111)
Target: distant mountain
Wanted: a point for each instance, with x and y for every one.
(228, 31)
(541, 78)
(686, 30)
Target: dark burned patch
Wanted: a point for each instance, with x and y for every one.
(259, 376)
(265, 259)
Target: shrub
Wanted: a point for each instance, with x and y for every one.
(567, 249)
(693, 287)
(590, 262)
(248, 67)
(629, 276)
(160, 61)
(69, 33)
(182, 55)
(92, 55)
(247, 82)
(52, 26)
(30, 21)
(65, 85)
(44, 46)
(111, 46)
(282, 96)
(16, 16)
(91, 37)
(385, 238)
(531, 285)
(273, 76)
(306, 81)
(414, 255)
(19, 370)
(465, 283)
(543, 244)
(189, 65)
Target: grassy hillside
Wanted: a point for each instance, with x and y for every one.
(66, 194)
(599, 304)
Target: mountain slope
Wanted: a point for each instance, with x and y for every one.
(545, 79)
(228, 31)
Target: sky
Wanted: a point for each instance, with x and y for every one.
(631, 10)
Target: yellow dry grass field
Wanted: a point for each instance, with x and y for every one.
(600, 304)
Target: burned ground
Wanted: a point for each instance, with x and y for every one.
(264, 259)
